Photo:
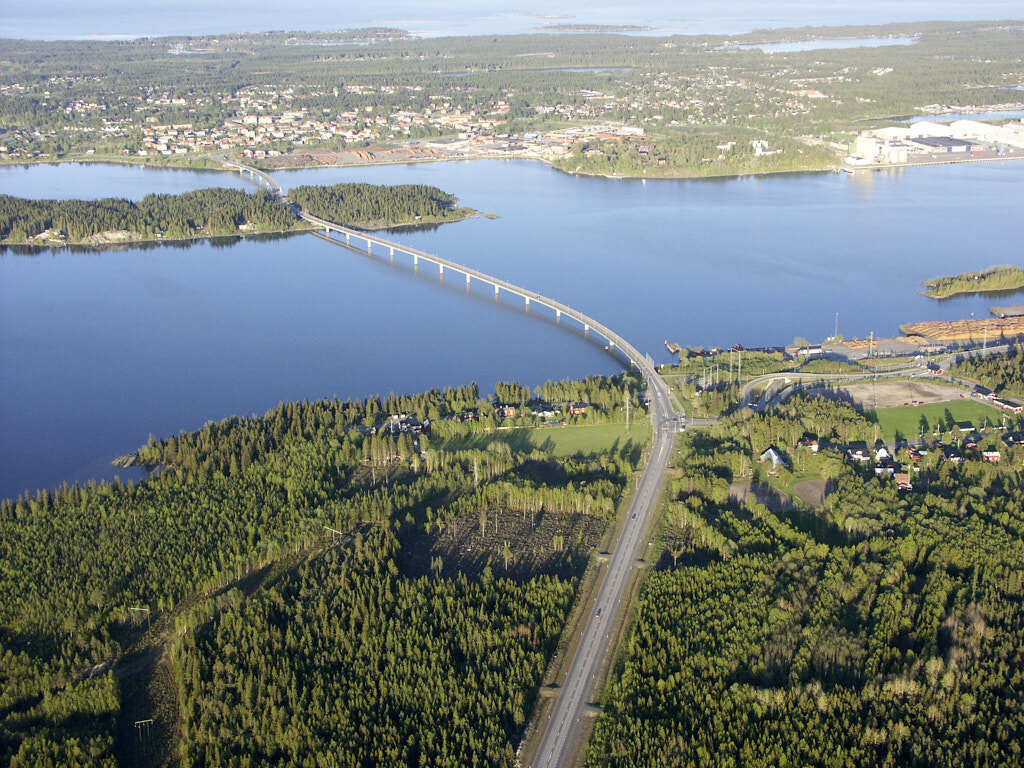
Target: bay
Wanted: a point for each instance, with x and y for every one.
(100, 348)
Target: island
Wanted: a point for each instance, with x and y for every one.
(374, 206)
(219, 212)
(216, 212)
(991, 280)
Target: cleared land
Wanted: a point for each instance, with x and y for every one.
(967, 330)
(907, 421)
(891, 394)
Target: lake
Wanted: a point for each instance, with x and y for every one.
(100, 348)
(796, 46)
(950, 117)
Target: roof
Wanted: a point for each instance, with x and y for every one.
(941, 141)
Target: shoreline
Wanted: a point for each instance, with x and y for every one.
(854, 168)
(306, 228)
(840, 167)
(142, 163)
(153, 241)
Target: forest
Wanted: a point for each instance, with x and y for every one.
(200, 213)
(377, 206)
(882, 627)
(1003, 374)
(303, 559)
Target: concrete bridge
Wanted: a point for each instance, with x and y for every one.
(264, 179)
(530, 298)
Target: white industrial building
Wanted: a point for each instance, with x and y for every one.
(894, 144)
(1011, 134)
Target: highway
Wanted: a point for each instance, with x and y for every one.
(563, 730)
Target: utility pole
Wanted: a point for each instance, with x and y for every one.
(625, 396)
(871, 343)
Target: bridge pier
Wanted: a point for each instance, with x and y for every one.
(348, 239)
(467, 279)
(527, 303)
(558, 316)
(440, 271)
(392, 254)
(586, 329)
(496, 290)
(369, 247)
(415, 261)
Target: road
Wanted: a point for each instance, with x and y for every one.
(773, 395)
(562, 735)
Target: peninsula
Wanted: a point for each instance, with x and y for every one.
(991, 280)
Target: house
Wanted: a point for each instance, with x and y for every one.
(902, 480)
(992, 457)
(858, 452)
(882, 455)
(505, 411)
(915, 455)
(775, 458)
(983, 393)
(578, 409)
(1012, 438)
(1006, 405)
(885, 469)
(810, 443)
(951, 454)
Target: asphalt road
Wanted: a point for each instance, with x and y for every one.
(563, 732)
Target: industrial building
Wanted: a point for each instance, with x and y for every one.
(922, 141)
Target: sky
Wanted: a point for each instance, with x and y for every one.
(105, 19)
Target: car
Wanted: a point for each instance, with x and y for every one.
(633, 515)
(597, 614)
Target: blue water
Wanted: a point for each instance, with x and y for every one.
(1004, 114)
(814, 45)
(112, 19)
(98, 349)
(91, 181)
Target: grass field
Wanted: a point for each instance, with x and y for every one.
(907, 420)
(561, 441)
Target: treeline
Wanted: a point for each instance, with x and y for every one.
(1007, 278)
(692, 154)
(375, 206)
(1000, 373)
(203, 212)
(242, 494)
(882, 629)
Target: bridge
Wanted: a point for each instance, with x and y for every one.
(256, 175)
(561, 734)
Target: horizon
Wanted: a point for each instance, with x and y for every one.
(115, 20)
